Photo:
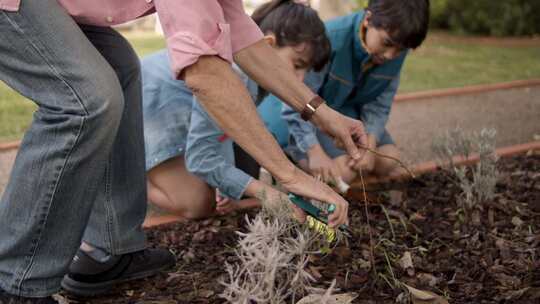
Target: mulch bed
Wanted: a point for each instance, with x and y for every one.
(495, 262)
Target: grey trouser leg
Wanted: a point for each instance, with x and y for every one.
(81, 161)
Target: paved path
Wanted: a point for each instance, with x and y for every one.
(514, 113)
(6, 162)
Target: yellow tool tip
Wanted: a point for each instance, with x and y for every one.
(322, 228)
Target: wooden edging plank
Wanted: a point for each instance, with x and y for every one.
(408, 97)
(476, 89)
(432, 166)
(6, 146)
(418, 169)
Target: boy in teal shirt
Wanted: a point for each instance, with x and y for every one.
(360, 81)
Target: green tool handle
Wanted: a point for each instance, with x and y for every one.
(315, 212)
(331, 208)
(308, 207)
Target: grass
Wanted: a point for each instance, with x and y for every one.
(15, 114)
(145, 43)
(439, 63)
(16, 111)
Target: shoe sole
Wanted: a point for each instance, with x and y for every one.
(82, 289)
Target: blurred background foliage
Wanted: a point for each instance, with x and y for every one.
(484, 17)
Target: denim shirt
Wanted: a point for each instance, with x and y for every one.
(209, 155)
(207, 152)
(365, 95)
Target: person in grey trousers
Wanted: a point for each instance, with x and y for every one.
(79, 175)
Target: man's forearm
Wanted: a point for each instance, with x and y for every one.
(264, 66)
(228, 102)
(261, 63)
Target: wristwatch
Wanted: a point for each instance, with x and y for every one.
(310, 108)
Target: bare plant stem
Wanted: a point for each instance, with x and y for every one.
(371, 245)
(401, 164)
(383, 276)
(390, 268)
(389, 222)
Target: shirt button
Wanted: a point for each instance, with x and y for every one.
(109, 19)
(148, 1)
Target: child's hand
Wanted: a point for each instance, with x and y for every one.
(224, 205)
(320, 165)
(366, 164)
(227, 205)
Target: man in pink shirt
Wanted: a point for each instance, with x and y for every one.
(80, 174)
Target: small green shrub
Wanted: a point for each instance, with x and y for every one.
(439, 14)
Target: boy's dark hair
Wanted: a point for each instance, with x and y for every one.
(292, 24)
(406, 21)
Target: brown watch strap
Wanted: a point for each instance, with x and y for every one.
(310, 108)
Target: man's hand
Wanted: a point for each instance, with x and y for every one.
(305, 185)
(271, 197)
(348, 133)
(320, 164)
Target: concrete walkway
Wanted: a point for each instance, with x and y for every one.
(6, 162)
(514, 113)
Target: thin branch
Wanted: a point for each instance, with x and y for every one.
(372, 254)
(401, 164)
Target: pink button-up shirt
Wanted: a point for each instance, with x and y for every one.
(193, 28)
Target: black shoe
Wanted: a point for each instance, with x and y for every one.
(6, 298)
(88, 277)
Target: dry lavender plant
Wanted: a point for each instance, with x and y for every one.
(273, 255)
(479, 188)
(484, 177)
(452, 143)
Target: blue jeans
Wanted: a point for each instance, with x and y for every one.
(79, 174)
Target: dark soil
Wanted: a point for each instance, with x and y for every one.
(494, 262)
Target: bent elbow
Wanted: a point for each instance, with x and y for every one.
(204, 73)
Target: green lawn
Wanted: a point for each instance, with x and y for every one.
(145, 43)
(16, 111)
(440, 63)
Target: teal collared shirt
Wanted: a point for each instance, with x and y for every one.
(343, 84)
(346, 85)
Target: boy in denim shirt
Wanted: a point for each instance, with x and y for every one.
(360, 81)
